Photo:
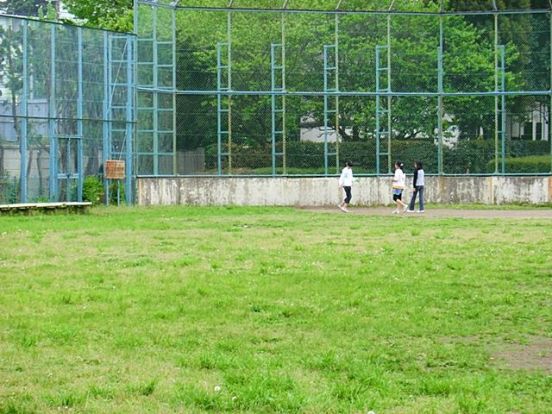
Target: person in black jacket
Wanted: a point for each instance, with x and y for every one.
(419, 184)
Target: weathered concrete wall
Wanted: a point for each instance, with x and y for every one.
(324, 191)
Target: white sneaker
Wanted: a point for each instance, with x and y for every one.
(395, 212)
(420, 211)
(409, 211)
(405, 209)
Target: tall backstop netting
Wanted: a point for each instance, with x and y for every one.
(276, 87)
(66, 106)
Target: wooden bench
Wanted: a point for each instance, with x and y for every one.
(29, 208)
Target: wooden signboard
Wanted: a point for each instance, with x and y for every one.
(114, 170)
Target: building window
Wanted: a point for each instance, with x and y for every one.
(539, 131)
(527, 131)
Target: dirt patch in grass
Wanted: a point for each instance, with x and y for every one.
(464, 340)
(536, 355)
(445, 213)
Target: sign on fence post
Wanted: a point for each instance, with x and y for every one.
(115, 170)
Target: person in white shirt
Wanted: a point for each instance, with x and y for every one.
(399, 184)
(346, 182)
(419, 185)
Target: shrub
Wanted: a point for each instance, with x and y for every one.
(117, 184)
(93, 190)
(534, 164)
(469, 156)
(243, 157)
(9, 188)
(363, 154)
(522, 148)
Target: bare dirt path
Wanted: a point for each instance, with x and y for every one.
(544, 213)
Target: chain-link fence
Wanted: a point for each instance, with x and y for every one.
(264, 88)
(261, 89)
(66, 106)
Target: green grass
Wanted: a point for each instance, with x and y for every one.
(260, 310)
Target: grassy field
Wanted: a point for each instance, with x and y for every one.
(263, 310)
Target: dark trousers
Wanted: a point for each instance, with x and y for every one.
(348, 195)
(419, 190)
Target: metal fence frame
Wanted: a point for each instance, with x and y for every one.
(118, 110)
(331, 92)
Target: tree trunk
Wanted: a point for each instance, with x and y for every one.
(14, 109)
(39, 169)
(29, 166)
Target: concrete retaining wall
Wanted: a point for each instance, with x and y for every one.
(324, 191)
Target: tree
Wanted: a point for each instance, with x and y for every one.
(23, 7)
(105, 14)
(525, 36)
(469, 66)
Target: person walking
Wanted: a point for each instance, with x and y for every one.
(399, 184)
(346, 182)
(418, 185)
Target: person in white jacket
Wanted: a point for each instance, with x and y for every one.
(399, 184)
(346, 182)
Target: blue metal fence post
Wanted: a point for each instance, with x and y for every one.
(129, 124)
(336, 85)
(326, 108)
(229, 98)
(496, 88)
(378, 109)
(106, 144)
(502, 50)
(52, 119)
(273, 113)
(273, 64)
(330, 91)
(331, 94)
(277, 102)
(440, 87)
(284, 99)
(173, 53)
(80, 129)
(23, 142)
(381, 113)
(380, 92)
(155, 44)
(224, 98)
(224, 106)
(389, 90)
(219, 109)
(133, 170)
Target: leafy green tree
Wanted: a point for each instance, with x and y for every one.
(23, 7)
(525, 34)
(469, 66)
(105, 14)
